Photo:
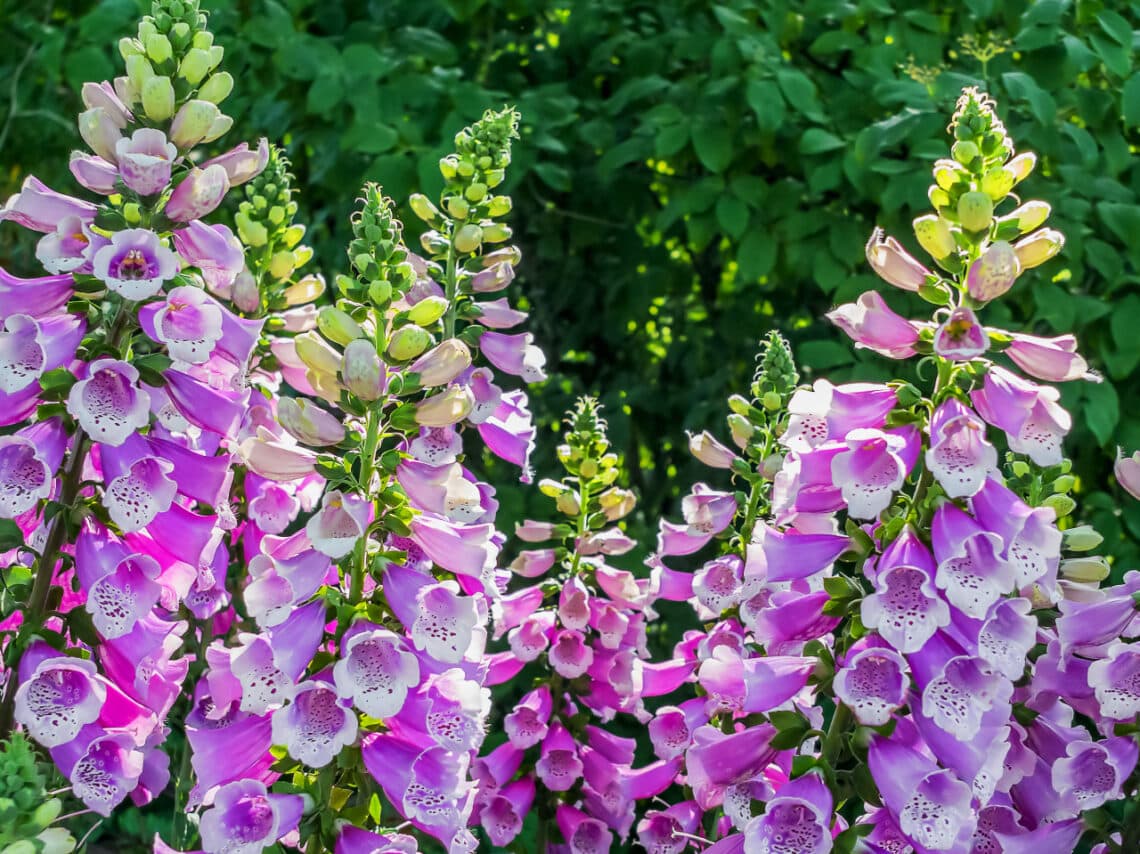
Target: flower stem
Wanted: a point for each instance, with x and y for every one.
(832, 746)
(451, 289)
(367, 467)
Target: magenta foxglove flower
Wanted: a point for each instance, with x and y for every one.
(38, 208)
(493, 278)
(1032, 542)
(873, 684)
(108, 404)
(931, 806)
(1050, 359)
(445, 624)
(94, 173)
(718, 585)
(1030, 415)
(790, 555)
(498, 314)
(30, 347)
(315, 726)
(959, 457)
(871, 470)
(709, 451)
(118, 600)
(509, 430)
(376, 671)
(134, 498)
(340, 523)
(468, 550)
(905, 607)
(286, 573)
(870, 323)
(559, 766)
(103, 768)
(828, 411)
(514, 354)
(586, 835)
(671, 730)
(214, 250)
(135, 264)
(1093, 773)
(1116, 681)
(569, 654)
(970, 568)
(488, 396)
(1127, 471)
(28, 463)
(797, 819)
(893, 263)
(994, 273)
(58, 696)
(960, 337)
(34, 297)
(198, 194)
(1007, 636)
(961, 691)
(502, 818)
(246, 818)
(716, 761)
(70, 248)
(527, 724)
(145, 161)
(241, 162)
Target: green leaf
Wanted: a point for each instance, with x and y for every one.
(713, 145)
(800, 92)
(11, 537)
(1102, 411)
(1130, 100)
(732, 214)
(767, 103)
(1116, 26)
(756, 254)
(817, 141)
(671, 139)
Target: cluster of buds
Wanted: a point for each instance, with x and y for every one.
(27, 811)
(582, 623)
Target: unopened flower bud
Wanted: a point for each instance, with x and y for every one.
(997, 183)
(251, 232)
(1064, 483)
(458, 207)
(317, 353)
(975, 211)
(380, 292)
(282, 264)
(338, 326)
(158, 98)
(500, 206)
(203, 39)
(497, 232)
(994, 273)
(100, 132)
(772, 465)
(893, 263)
(245, 295)
(1039, 247)
(617, 503)
(1029, 215)
(1062, 505)
(442, 364)
(1087, 570)
(771, 401)
(494, 278)
(934, 235)
(1020, 468)
(428, 310)
(568, 504)
(475, 192)
(220, 127)
(423, 208)
(1082, 538)
(964, 152)
(129, 47)
(139, 71)
(158, 48)
(947, 173)
(709, 451)
(132, 213)
(194, 66)
(739, 404)
(407, 342)
(443, 410)
(468, 238)
(742, 430)
(1021, 166)
(217, 88)
(193, 123)
(198, 194)
(363, 371)
(305, 289)
(434, 243)
(308, 423)
(1127, 471)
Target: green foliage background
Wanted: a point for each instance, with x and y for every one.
(689, 175)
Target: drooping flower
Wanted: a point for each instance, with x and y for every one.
(198, 194)
(893, 263)
(376, 672)
(871, 470)
(28, 463)
(315, 726)
(57, 697)
(994, 272)
(108, 404)
(214, 250)
(246, 818)
(1116, 681)
(870, 323)
(1127, 471)
(797, 819)
(145, 160)
(874, 684)
(135, 264)
(970, 567)
(961, 337)
(905, 607)
(1030, 415)
(959, 457)
(1050, 359)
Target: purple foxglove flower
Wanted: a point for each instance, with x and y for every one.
(1007, 636)
(189, 323)
(353, 840)
(33, 297)
(706, 511)
(526, 724)
(873, 684)
(1031, 540)
(442, 364)
(1100, 620)
(30, 347)
(709, 451)
(798, 818)
(960, 337)
(70, 248)
(533, 563)
(671, 730)
(1127, 471)
(1030, 415)
(716, 761)
(436, 445)
(585, 835)
(509, 432)
(446, 622)
(789, 617)
(961, 692)
(271, 507)
(145, 161)
(93, 172)
(611, 541)
(569, 655)
(502, 818)
(101, 131)
(754, 684)
(57, 696)
(718, 584)
(805, 485)
(143, 490)
(498, 314)
(1051, 359)
(574, 604)
(463, 549)
(790, 555)
(103, 768)
(28, 462)
(558, 766)
(828, 412)
(219, 411)
(494, 278)
(214, 250)
(1115, 679)
(932, 808)
(135, 264)
(871, 324)
(970, 567)
(118, 600)
(38, 208)
(256, 675)
(514, 354)
(532, 636)
(1093, 773)
(198, 194)
(286, 573)
(667, 831)
(905, 607)
(488, 396)
(960, 457)
(994, 273)
(376, 672)
(108, 404)
(893, 263)
(103, 95)
(314, 727)
(242, 163)
(870, 471)
(246, 818)
(442, 490)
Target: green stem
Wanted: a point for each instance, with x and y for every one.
(451, 290)
(583, 528)
(367, 467)
(841, 720)
(752, 509)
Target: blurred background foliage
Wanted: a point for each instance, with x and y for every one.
(690, 175)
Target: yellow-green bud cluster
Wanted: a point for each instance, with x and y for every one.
(377, 252)
(592, 470)
(776, 369)
(26, 812)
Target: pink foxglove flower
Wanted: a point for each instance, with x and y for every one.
(198, 194)
(893, 263)
(905, 607)
(870, 323)
(959, 457)
(874, 684)
(971, 570)
(58, 696)
(961, 337)
(189, 323)
(241, 162)
(799, 812)
(38, 208)
(145, 161)
(871, 470)
(135, 264)
(514, 354)
(315, 726)
(1127, 471)
(246, 818)
(375, 672)
(1050, 359)
(29, 348)
(28, 463)
(108, 404)
(103, 768)
(1032, 542)
(1030, 415)
(70, 248)
(94, 173)
(1116, 681)
(994, 272)
(829, 412)
(214, 250)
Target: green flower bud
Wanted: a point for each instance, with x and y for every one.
(220, 127)
(408, 342)
(362, 370)
(129, 47)
(475, 192)
(47, 812)
(1021, 166)
(195, 66)
(158, 98)
(458, 207)
(1082, 538)
(428, 310)
(1064, 483)
(435, 243)
(964, 152)
(380, 292)
(742, 430)
(217, 88)
(338, 326)
(497, 232)
(1029, 215)
(997, 183)
(500, 206)
(934, 235)
(158, 48)
(1087, 570)
(772, 401)
(193, 123)
(423, 208)
(146, 29)
(947, 173)
(447, 167)
(281, 264)
(139, 71)
(251, 233)
(132, 213)
(1039, 247)
(468, 239)
(317, 354)
(739, 404)
(975, 211)
(1020, 468)
(1062, 505)
(203, 40)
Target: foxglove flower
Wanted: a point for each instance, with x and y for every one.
(1032, 543)
(1030, 415)
(445, 624)
(30, 347)
(198, 194)
(905, 607)
(58, 696)
(103, 768)
(38, 208)
(871, 470)
(70, 248)
(994, 272)
(314, 727)
(145, 161)
(1127, 471)
(137, 495)
(829, 411)
(376, 672)
(1050, 359)
(970, 567)
(893, 263)
(959, 457)
(214, 250)
(514, 354)
(28, 462)
(246, 818)
(874, 684)
(108, 404)
(135, 264)
(961, 337)
(870, 323)
(1116, 681)
(797, 819)
(1092, 774)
